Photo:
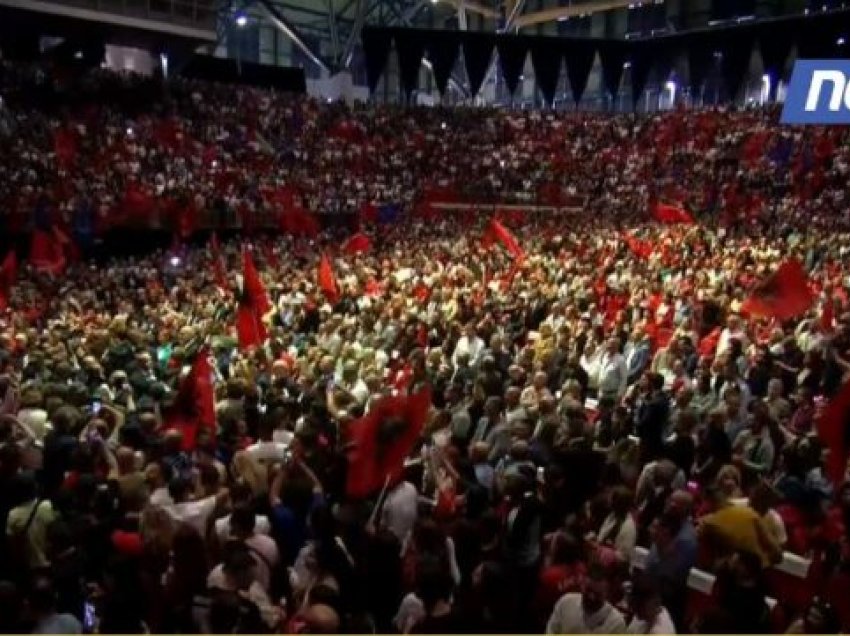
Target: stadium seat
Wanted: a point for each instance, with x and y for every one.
(790, 583)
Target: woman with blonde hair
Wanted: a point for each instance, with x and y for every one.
(249, 471)
(728, 482)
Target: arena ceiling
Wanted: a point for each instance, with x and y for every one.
(337, 23)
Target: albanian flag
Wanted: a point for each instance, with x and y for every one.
(834, 433)
(782, 295)
(253, 305)
(8, 275)
(194, 405)
(671, 214)
(327, 280)
(708, 345)
(507, 239)
(380, 441)
(357, 244)
(65, 147)
(640, 248)
(47, 251)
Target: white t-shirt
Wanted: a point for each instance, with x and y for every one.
(569, 617)
(662, 624)
(195, 513)
(267, 452)
(222, 527)
(400, 510)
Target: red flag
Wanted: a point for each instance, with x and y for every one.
(507, 239)
(783, 295)
(708, 345)
(137, 203)
(357, 244)
(194, 405)
(299, 222)
(65, 147)
(8, 275)
(46, 252)
(368, 212)
(327, 280)
(640, 248)
(671, 214)
(253, 305)
(834, 432)
(380, 441)
(827, 317)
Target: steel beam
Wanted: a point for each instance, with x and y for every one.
(333, 31)
(411, 11)
(359, 17)
(555, 13)
(475, 7)
(291, 32)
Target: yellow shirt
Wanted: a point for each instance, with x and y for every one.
(741, 528)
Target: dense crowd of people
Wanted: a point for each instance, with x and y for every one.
(606, 420)
(108, 150)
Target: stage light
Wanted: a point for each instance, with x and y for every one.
(841, 41)
(175, 261)
(627, 64)
(241, 20)
(129, 132)
(443, 125)
(78, 55)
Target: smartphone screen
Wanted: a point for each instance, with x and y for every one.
(89, 617)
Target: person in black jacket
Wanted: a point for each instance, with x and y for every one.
(522, 539)
(652, 418)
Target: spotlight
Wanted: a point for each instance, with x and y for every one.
(841, 41)
(241, 20)
(129, 132)
(78, 55)
(443, 125)
(627, 65)
(175, 261)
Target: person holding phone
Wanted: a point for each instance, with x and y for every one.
(42, 603)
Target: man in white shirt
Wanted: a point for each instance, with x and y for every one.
(400, 509)
(352, 386)
(613, 375)
(196, 513)
(266, 450)
(471, 345)
(733, 331)
(262, 546)
(587, 612)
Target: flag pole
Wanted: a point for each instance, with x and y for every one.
(379, 503)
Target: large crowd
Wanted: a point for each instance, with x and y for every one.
(608, 428)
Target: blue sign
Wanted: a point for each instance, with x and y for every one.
(819, 93)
